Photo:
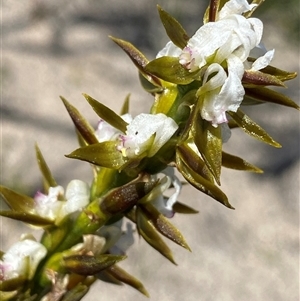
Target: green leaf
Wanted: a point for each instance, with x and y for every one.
(32, 219)
(107, 114)
(251, 128)
(148, 86)
(16, 201)
(209, 143)
(147, 230)
(90, 265)
(48, 179)
(267, 95)
(125, 107)
(169, 69)
(76, 293)
(163, 226)
(201, 183)
(258, 78)
(194, 162)
(184, 209)
(174, 30)
(121, 275)
(102, 154)
(82, 126)
(237, 163)
(138, 59)
(11, 284)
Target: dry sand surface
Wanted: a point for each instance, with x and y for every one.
(52, 49)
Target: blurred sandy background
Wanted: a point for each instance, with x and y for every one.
(52, 48)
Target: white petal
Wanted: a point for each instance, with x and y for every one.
(169, 50)
(77, 195)
(234, 7)
(263, 61)
(19, 255)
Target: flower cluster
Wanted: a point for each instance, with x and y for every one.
(199, 85)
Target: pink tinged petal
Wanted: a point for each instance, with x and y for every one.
(169, 50)
(263, 61)
(77, 195)
(22, 259)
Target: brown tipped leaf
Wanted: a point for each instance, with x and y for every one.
(201, 183)
(257, 78)
(32, 219)
(163, 225)
(121, 275)
(17, 201)
(48, 179)
(271, 96)
(81, 124)
(174, 30)
(251, 128)
(90, 265)
(209, 143)
(237, 163)
(147, 230)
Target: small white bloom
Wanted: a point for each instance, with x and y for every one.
(106, 132)
(22, 259)
(53, 207)
(163, 204)
(141, 131)
(227, 42)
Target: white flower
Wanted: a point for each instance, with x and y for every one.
(165, 205)
(106, 132)
(221, 48)
(22, 259)
(56, 205)
(146, 133)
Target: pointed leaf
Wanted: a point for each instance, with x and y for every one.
(90, 265)
(17, 201)
(102, 154)
(257, 78)
(32, 219)
(237, 163)
(107, 114)
(267, 95)
(163, 226)
(251, 128)
(11, 284)
(76, 293)
(125, 107)
(121, 275)
(174, 30)
(209, 143)
(201, 183)
(147, 230)
(148, 86)
(193, 160)
(82, 126)
(138, 59)
(48, 179)
(169, 69)
(280, 74)
(184, 209)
